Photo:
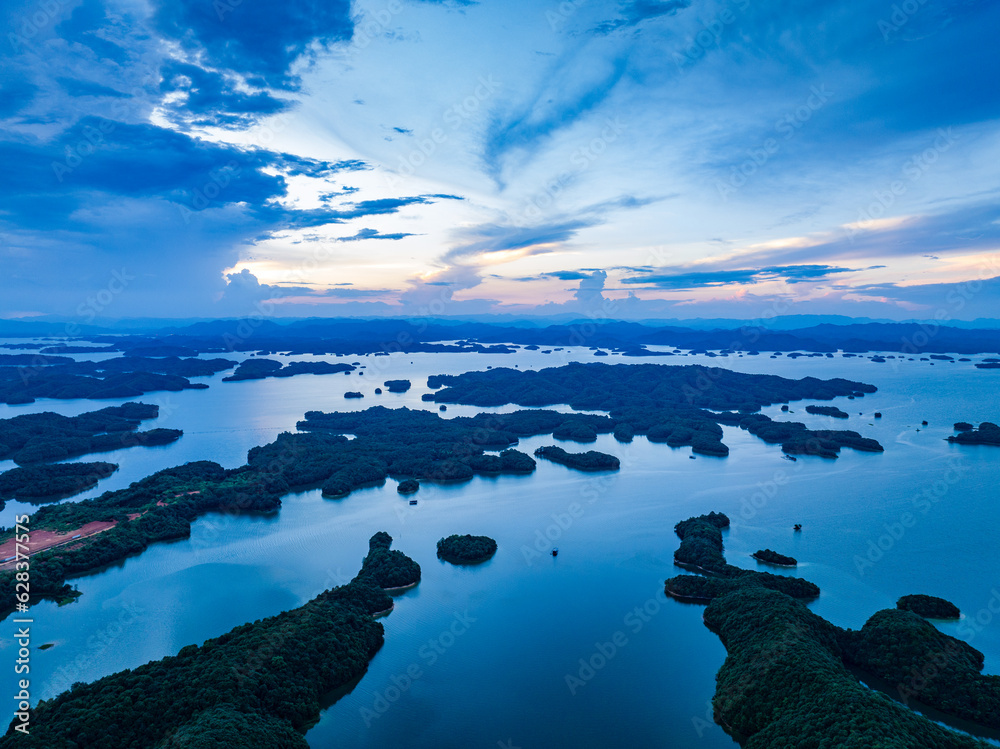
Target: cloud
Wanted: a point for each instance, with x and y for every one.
(260, 41)
(488, 238)
(634, 12)
(372, 234)
(244, 290)
(591, 291)
(211, 98)
(743, 276)
(575, 85)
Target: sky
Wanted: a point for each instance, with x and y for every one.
(629, 159)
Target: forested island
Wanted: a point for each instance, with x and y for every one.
(803, 693)
(929, 607)
(124, 377)
(260, 369)
(389, 568)
(47, 436)
(678, 405)
(772, 557)
(701, 550)
(988, 433)
(48, 482)
(397, 386)
(466, 549)
(408, 486)
(592, 460)
(827, 411)
(258, 686)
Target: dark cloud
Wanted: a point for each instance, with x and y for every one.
(91, 26)
(372, 234)
(382, 206)
(243, 290)
(257, 40)
(634, 12)
(209, 98)
(743, 276)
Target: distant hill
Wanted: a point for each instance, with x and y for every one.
(359, 336)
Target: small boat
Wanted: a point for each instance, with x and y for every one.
(555, 552)
(413, 501)
(790, 457)
(798, 526)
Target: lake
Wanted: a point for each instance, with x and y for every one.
(479, 656)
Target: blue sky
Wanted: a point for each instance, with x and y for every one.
(634, 159)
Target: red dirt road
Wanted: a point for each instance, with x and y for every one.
(42, 540)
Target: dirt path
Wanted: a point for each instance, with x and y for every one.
(43, 540)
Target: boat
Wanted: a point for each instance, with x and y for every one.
(413, 501)
(555, 552)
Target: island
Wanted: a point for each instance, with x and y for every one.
(929, 607)
(353, 394)
(772, 557)
(390, 569)
(47, 436)
(827, 411)
(804, 669)
(678, 405)
(123, 377)
(988, 433)
(51, 482)
(466, 549)
(259, 369)
(259, 685)
(701, 550)
(408, 486)
(963, 426)
(592, 460)
(397, 386)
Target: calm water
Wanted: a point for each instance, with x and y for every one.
(491, 646)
